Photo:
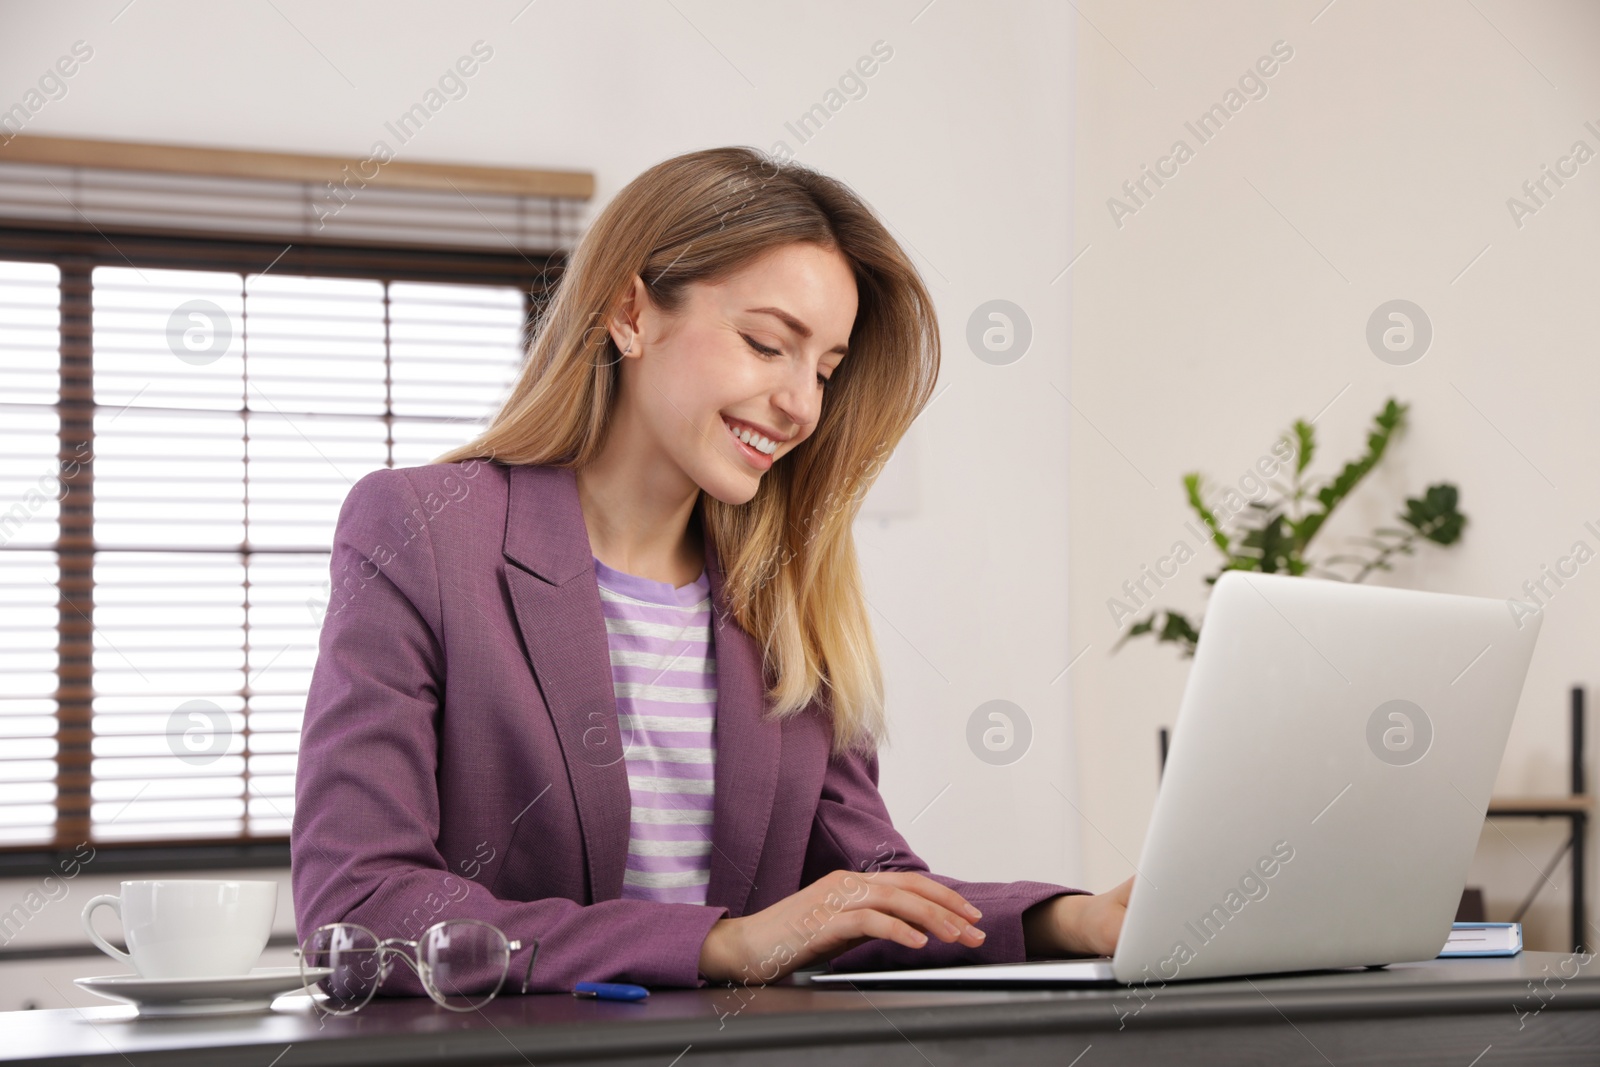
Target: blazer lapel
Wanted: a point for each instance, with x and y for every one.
(557, 604)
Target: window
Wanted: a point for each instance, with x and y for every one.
(179, 429)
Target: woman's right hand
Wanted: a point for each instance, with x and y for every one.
(832, 915)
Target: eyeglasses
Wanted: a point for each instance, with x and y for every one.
(462, 964)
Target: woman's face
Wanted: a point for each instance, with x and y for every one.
(750, 352)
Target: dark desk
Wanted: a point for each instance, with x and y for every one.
(1453, 1013)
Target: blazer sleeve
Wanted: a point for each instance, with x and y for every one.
(363, 845)
(852, 831)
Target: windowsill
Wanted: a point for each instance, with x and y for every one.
(112, 858)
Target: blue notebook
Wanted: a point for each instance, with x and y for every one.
(1483, 939)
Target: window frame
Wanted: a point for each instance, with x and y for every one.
(76, 251)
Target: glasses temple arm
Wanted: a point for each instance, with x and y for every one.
(532, 956)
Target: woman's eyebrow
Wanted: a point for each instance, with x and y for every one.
(796, 325)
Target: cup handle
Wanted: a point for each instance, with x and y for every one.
(115, 903)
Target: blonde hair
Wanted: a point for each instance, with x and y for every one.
(791, 577)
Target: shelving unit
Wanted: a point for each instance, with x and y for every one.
(1575, 808)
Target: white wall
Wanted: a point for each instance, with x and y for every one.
(961, 141)
(1206, 322)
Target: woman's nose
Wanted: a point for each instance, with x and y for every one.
(800, 399)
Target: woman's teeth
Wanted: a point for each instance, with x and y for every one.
(754, 440)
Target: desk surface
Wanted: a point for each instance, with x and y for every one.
(1429, 1012)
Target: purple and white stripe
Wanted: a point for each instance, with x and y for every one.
(664, 674)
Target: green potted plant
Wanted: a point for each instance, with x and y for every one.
(1274, 535)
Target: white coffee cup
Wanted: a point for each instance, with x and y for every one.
(189, 928)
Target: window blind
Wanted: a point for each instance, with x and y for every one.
(30, 331)
(231, 411)
(115, 199)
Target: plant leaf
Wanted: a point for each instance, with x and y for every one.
(1179, 628)
(1306, 444)
(1191, 490)
(1175, 629)
(1434, 515)
(1384, 423)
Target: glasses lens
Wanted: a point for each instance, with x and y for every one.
(464, 962)
(350, 956)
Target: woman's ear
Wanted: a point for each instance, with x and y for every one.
(624, 324)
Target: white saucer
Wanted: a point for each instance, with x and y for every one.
(201, 996)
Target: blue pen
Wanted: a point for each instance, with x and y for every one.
(610, 991)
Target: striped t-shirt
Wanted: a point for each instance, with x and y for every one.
(664, 673)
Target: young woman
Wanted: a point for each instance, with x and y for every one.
(604, 677)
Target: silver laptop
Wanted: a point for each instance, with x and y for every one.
(1324, 790)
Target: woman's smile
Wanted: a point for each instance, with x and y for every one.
(751, 445)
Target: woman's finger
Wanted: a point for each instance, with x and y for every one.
(919, 911)
(938, 920)
(868, 923)
(937, 892)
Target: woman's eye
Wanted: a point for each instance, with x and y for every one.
(763, 349)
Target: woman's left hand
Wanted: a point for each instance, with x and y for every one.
(1077, 923)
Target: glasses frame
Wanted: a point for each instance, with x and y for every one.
(390, 948)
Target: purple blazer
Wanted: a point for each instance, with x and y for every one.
(461, 755)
